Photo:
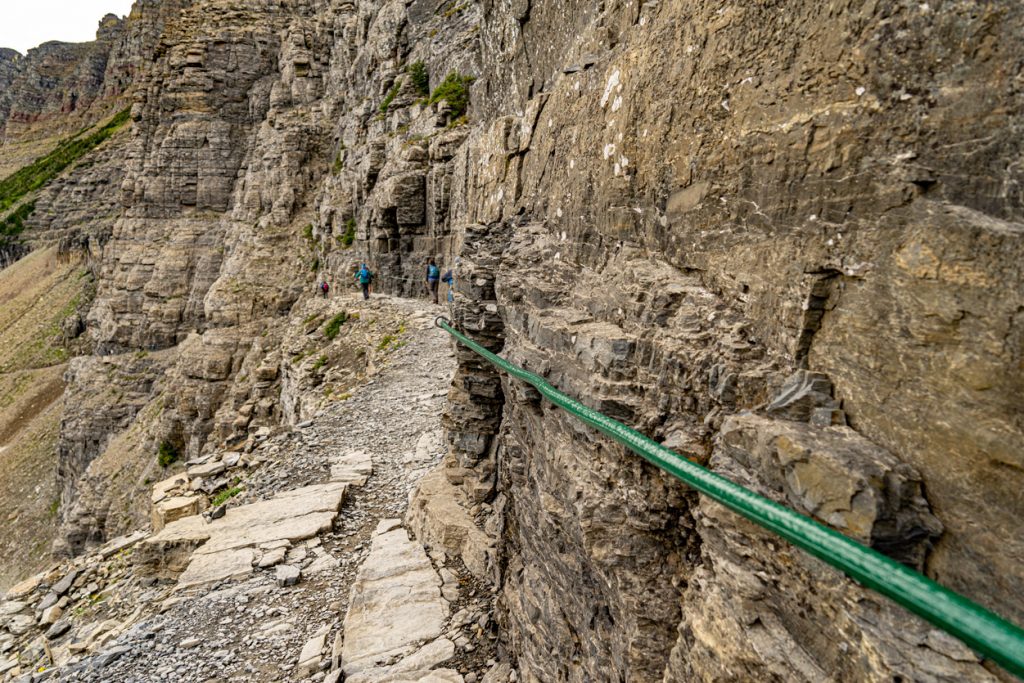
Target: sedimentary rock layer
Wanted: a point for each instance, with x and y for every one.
(783, 240)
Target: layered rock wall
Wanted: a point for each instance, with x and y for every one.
(718, 197)
(783, 239)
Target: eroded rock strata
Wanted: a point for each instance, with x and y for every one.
(782, 240)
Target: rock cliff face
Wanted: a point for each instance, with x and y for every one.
(717, 197)
(784, 240)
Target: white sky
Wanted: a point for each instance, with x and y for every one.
(28, 23)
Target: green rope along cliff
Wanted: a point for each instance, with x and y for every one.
(985, 632)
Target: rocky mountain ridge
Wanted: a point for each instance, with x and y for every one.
(782, 240)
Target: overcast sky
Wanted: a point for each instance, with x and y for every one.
(27, 23)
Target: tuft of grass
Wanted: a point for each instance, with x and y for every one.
(420, 78)
(333, 326)
(455, 9)
(454, 90)
(339, 160)
(386, 341)
(167, 455)
(455, 123)
(320, 362)
(390, 97)
(226, 495)
(54, 507)
(47, 167)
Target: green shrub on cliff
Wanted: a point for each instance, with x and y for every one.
(167, 455)
(454, 90)
(44, 169)
(334, 325)
(390, 97)
(349, 236)
(420, 77)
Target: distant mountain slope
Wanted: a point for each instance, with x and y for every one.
(37, 295)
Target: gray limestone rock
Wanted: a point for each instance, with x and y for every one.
(648, 206)
(287, 575)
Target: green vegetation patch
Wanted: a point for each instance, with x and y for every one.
(46, 168)
(349, 236)
(333, 326)
(420, 78)
(167, 455)
(455, 8)
(454, 90)
(226, 495)
(390, 97)
(14, 223)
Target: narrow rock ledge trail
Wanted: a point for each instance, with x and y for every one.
(315, 578)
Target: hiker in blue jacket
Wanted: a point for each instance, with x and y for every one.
(449, 279)
(365, 277)
(433, 279)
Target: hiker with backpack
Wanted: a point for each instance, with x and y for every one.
(324, 288)
(433, 279)
(449, 279)
(365, 277)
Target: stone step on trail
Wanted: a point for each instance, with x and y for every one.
(396, 615)
(206, 552)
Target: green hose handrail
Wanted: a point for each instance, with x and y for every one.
(982, 630)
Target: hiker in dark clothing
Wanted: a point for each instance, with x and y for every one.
(365, 277)
(324, 288)
(433, 279)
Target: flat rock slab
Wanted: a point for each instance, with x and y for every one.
(352, 468)
(433, 676)
(226, 547)
(423, 660)
(25, 588)
(120, 543)
(214, 567)
(272, 557)
(174, 508)
(210, 469)
(395, 605)
(163, 489)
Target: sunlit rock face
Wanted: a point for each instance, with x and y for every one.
(784, 241)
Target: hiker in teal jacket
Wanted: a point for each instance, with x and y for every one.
(433, 279)
(365, 277)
